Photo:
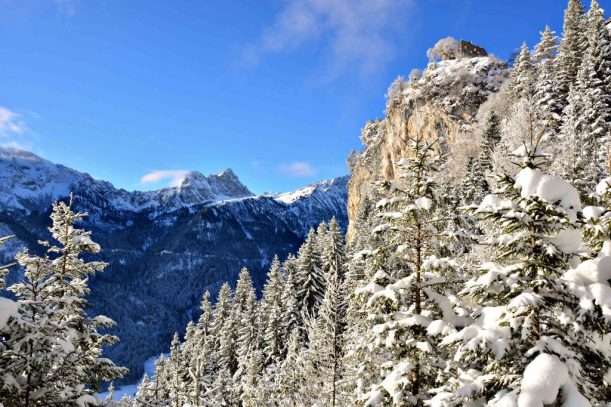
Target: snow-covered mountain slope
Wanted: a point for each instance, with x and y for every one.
(30, 182)
(164, 248)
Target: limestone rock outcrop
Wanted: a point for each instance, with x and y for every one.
(441, 102)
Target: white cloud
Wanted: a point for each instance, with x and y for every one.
(298, 169)
(354, 32)
(66, 8)
(13, 130)
(175, 177)
(10, 123)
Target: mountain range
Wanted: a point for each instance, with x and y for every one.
(164, 248)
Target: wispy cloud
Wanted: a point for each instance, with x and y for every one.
(175, 177)
(66, 8)
(12, 129)
(298, 169)
(354, 32)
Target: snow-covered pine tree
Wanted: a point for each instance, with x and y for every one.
(52, 351)
(546, 99)
(27, 349)
(162, 379)
(224, 333)
(310, 282)
(523, 75)
(403, 299)
(252, 394)
(597, 87)
(198, 350)
(362, 364)
(591, 283)
(583, 151)
(491, 137)
(570, 51)
(289, 301)
(321, 237)
(290, 379)
(546, 49)
(176, 372)
(246, 315)
(528, 324)
(271, 311)
(323, 358)
(474, 186)
(222, 311)
(333, 253)
(291, 309)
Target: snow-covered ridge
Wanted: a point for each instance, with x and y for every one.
(28, 182)
(322, 187)
(457, 81)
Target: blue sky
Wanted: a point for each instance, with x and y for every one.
(278, 90)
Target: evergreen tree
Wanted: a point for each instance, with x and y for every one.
(252, 387)
(546, 98)
(583, 153)
(491, 139)
(570, 51)
(290, 377)
(198, 351)
(323, 359)
(310, 281)
(176, 373)
(522, 75)
(333, 253)
(321, 239)
(272, 312)
(51, 353)
(596, 75)
(407, 300)
(148, 394)
(289, 301)
(474, 185)
(526, 309)
(245, 311)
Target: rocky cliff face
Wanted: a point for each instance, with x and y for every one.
(163, 248)
(440, 102)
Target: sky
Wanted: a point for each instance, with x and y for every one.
(138, 92)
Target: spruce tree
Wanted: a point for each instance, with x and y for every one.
(323, 359)
(176, 373)
(407, 298)
(52, 351)
(333, 253)
(289, 301)
(272, 312)
(522, 75)
(310, 277)
(291, 374)
(199, 350)
(546, 98)
(474, 185)
(245, 311)
(526, 310)
(571, 49)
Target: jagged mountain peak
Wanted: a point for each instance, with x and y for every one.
(28, 182)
